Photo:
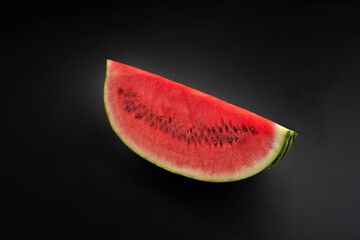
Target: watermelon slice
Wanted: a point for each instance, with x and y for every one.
(187, 131)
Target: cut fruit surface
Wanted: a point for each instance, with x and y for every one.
(189, 132)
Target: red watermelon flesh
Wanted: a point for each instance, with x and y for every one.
(187, 131)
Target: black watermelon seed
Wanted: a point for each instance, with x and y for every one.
(170, 120)
(236, 139)
(215, 142)
(213, 129)
(137, 115)
(226, 127)
(166, 130)
(134, 108)
(235, 129)
(140, 105)
(161, 126)
(161, 118)
(121, 91)
(134, 94)
(220, 129)
(206, 140)
(251, 129)
(152, 123)
(209, 130)
(188, 140)
(221, 142)
(126, 108)
(229, 140)
(245, 130)
(147, 110)
(190, 130)
(141, 115)
(147, 118)
(151, 115)
(129, 109)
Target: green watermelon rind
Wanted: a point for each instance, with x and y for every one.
(288, 139)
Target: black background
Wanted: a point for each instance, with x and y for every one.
(67, 175)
